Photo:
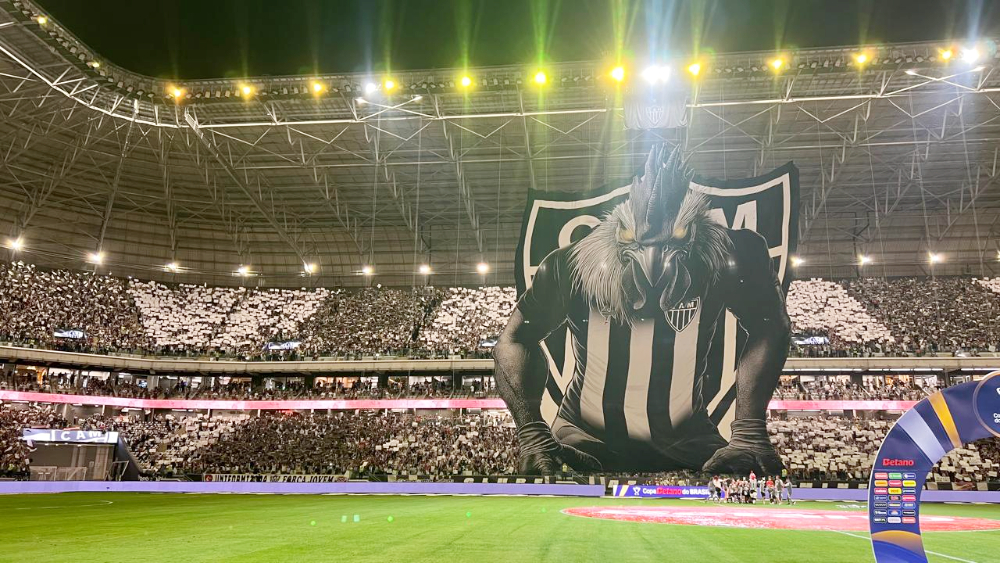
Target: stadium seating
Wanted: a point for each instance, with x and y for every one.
(859, 317)
(827, 448)
(35, 303)
(824, 307)
(822, 389)
(466, 317)
(931, 315)
(235, 320)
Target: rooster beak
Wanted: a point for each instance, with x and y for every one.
(650, 262)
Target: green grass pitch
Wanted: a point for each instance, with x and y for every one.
(85, 527)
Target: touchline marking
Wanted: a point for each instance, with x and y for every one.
(927, 550)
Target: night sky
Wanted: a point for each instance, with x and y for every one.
(233, 38)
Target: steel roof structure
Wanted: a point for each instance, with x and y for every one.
(897, 158)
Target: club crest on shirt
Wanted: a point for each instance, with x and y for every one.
(681, 316)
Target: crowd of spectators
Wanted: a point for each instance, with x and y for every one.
(36, 304)
(841, 448)
(467, 319)
(365, 443)
(15, 453)
(346, 442)
(296, 388)
(954, 315)
(243, 390)
(372, 321)
(824, 309)
(81, 311)
(832, 390)
(193, 318)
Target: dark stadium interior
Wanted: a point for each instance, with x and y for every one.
(306, 36)
(470, 278)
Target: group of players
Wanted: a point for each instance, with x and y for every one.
(750, 490)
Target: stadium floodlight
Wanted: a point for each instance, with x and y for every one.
(934, 257)
(172, 267)
(796, 261)
(970, 55)
(94, 64)
(42, 20)
(863, 260)
(618, 73)
(483, 268)
(243, 270)
(946, 54)
(361, 101)
(95, 257)
(777, 63)
(656, 73)
(309, 268)
(466, 81)
(317, 87)
(367, 270)
(424, 269)
(370, 88)
(15, 244)
(694, 68)
(861, 58)
(541, 78)
(389, 84)
(246, 89)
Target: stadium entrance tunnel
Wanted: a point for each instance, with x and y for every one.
(769, 518)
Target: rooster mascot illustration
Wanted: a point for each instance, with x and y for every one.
(642, 296)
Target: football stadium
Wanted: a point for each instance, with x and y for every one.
(457, 281)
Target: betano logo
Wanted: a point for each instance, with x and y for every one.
(889, 462)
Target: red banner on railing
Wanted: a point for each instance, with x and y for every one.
(841, 405)
(199, 404)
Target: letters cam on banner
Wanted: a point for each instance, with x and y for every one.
(767, 204)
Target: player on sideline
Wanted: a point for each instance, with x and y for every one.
(642, 295)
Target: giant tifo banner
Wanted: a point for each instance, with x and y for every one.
(937, 425)
(650, 335)
(377, 404)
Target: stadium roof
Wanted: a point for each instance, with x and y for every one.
(898, 159)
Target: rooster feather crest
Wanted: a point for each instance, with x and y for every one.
(660, 202)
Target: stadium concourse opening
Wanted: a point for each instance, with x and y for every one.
(662, 292)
